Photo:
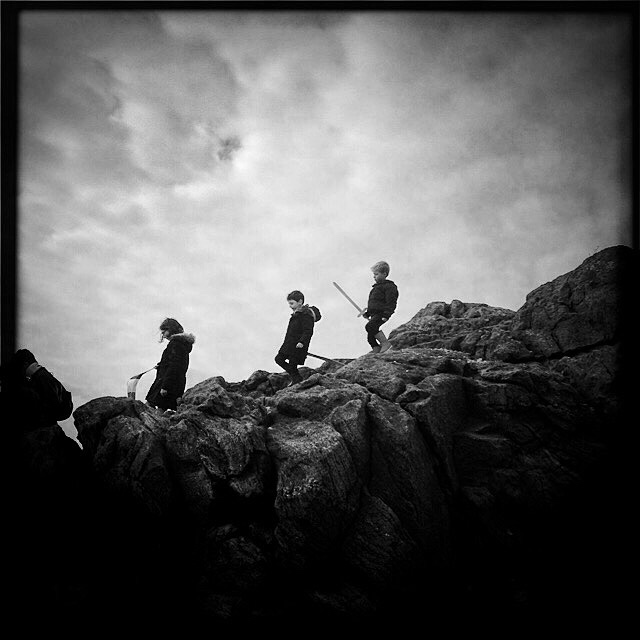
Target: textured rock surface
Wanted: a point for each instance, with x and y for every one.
(469, 467)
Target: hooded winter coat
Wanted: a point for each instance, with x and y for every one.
(300, 329)
(172, 371)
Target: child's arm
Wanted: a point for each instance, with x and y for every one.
(307, 332)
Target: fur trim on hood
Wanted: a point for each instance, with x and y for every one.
(187, 337)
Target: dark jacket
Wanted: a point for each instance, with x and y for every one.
(172, 368)
(383, 299)
(300, 329)
(36, 401)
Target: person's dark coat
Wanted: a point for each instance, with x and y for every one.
(383, 299)
(31, 396)
(172, 371)
(300, 329)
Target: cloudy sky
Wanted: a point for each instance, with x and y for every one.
(201, 165)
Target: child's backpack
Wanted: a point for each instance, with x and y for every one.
(316, 313)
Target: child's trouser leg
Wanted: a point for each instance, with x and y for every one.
(289, 367)
(373, 327)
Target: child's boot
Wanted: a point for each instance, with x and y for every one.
(295, 378)
(385, 345)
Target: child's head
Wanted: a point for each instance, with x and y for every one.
(170, 327)
(295, 299)
(380, 270)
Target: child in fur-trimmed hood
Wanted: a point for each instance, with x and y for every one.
(171, 375)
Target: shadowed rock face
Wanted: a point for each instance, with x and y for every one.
(464, 469)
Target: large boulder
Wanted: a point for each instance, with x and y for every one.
(464, 467)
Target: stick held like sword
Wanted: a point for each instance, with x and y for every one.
(343, 292)
(313, 355)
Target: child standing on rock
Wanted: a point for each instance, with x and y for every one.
(171, 375)
(295, 347)
(383, 299)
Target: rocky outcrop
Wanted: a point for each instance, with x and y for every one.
(577, 311)
(579, 324)
(467, 468)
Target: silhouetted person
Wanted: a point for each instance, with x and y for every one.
(171, 376)
(383, 299)
(295, 347)
(32, 397)
(46, 492)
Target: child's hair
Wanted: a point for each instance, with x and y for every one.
(296, 295)
(171, 325)
(381, 266)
